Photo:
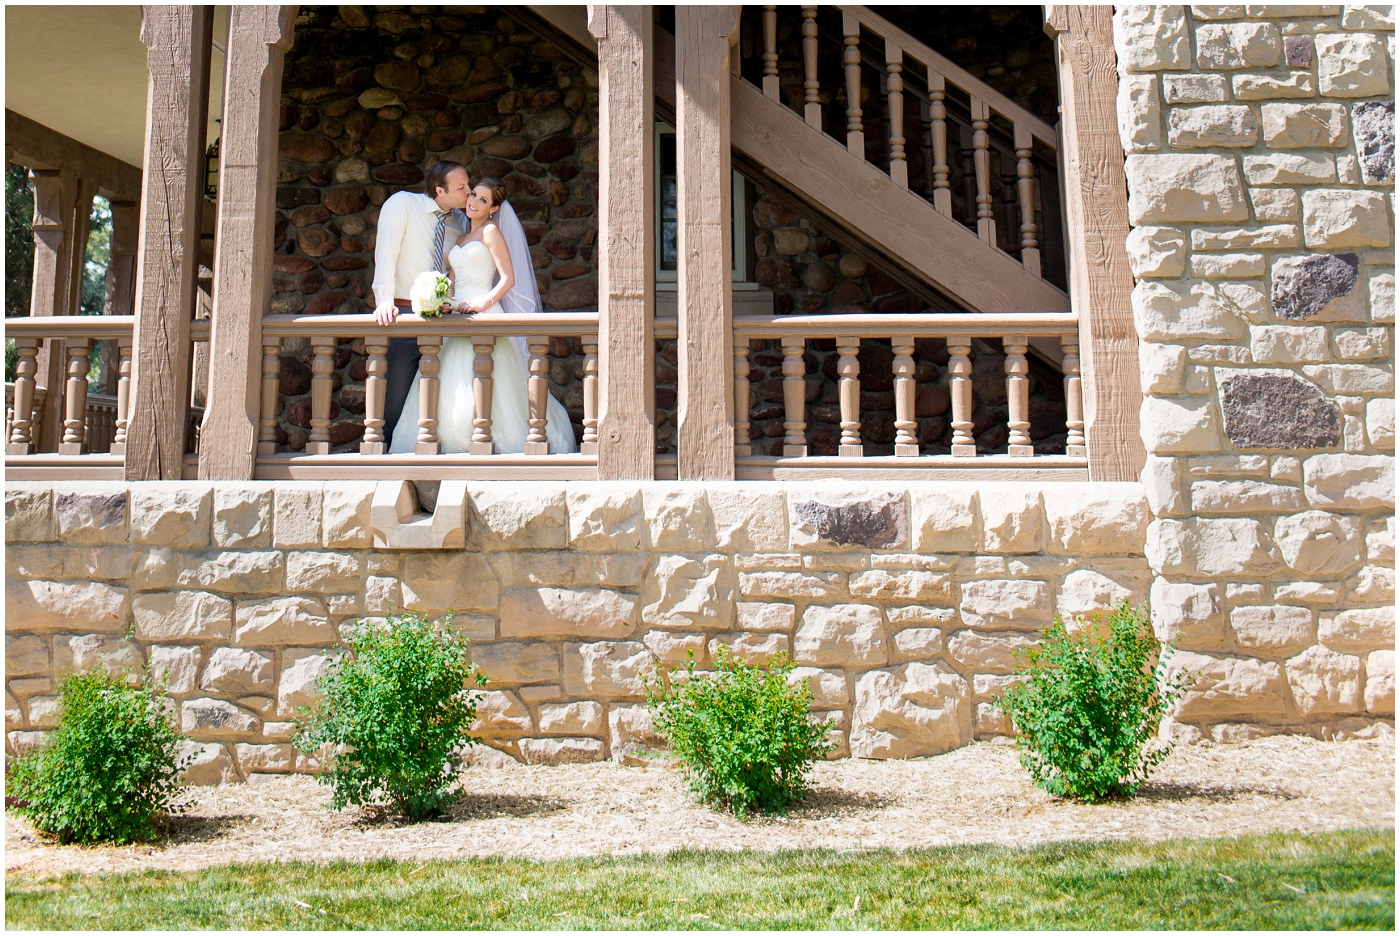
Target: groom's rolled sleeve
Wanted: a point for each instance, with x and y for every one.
(388, 241)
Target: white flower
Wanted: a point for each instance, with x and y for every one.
(429, 291)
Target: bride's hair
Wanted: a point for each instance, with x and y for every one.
(498, 191)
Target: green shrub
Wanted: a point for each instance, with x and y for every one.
(392, 715)
(110, 767)
(743, 733)
(1089, 705)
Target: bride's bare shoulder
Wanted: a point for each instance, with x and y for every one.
(491, 234)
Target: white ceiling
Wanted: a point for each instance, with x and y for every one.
(81, 70)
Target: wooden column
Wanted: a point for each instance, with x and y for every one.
(121, 282)
(855, 128)
(848, 386)
(626, 228)
(482, 387)
(770, 51)
(938, 128)
(794, 397)
(960, 389)
(894, 87)
(75, 398)
(428, 388)
(704, 293)
(537, 438)
(906, 440)
(258, 37)
(811, 88)
(49, 292)
(1096, 206)
(177, 40)
(1018, 384)
(322, 382)
(376, 367)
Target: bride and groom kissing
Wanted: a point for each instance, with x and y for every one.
(472, 234)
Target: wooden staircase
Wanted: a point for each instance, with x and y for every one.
(917, 234)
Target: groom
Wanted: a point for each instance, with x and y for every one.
(415, 232)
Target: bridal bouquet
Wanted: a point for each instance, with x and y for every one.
(430, 291)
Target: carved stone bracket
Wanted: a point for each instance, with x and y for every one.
(399, 524)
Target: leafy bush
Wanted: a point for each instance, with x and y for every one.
(109, 768)
(743, 732)
(392, 714)
(1089, 705)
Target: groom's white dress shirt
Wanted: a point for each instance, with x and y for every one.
(404, 243)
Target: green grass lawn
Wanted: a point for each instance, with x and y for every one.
(1279, 881)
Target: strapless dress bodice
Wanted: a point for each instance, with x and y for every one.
(472, 265)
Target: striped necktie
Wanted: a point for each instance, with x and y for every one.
(438, 236)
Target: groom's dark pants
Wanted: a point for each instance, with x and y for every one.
(402, 361)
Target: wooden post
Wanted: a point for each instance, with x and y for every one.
(53, 247)
(1025, 190)
(855, 130)
(704, 290)
(75, 397)
(376, 367)
(537, 438)
(982, 162)
(428, 364)
(482, 364)
(938, 115)
(906, 440)
(79, 223)
(794, 397)
(848, 385)
(124, 346)
(1018, 388)
(811, 88)
(1074, 401)
(894, 86)
(589, 445)
(770, 51)
(178, 42)
(267, 409)
(626, 229)
(960, 389)
(121, 281)
(258, 38)
(322, 382)
(21, 441)
(1096, 206)
(743, 445)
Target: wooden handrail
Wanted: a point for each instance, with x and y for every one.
(906, 325)
(536, 324)
(953, 73)
(70, 326)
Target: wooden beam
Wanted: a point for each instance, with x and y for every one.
(37, 146)
(1096, 207)
(626, 229)
(54, 193)
(178, 42)
(704, 293)
(259, 37)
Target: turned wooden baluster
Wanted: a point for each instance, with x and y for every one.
(743, 445)
(267, 415)
(894, 85)
(428, 366)
(75, 397)
(982, 161)
(794, 397)
(21, 441)
(938, 116)
(1025, 189)
(811, 89)
(124, 345)
(906, 440)
(855, 130)
(1018, 394)
(482, 386)
(376, 368)
(770, 52)
(589, 446)
(969, 177)
(960, 389)
(848, 384)
(536, 442)
(322, 382)
(1074, 401)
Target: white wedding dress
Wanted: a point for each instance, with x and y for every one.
(474, 269)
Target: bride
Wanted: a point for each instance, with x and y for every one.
(492, 250)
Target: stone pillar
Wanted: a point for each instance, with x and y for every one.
(121, 281)
(1101, 283)
(259, 36)
(178, 42)
(626, 229)
(705, 434)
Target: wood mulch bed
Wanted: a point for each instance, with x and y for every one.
(975, 794)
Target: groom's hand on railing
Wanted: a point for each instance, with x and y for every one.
(386, 314)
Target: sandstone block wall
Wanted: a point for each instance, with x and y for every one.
(901, 605)
(1261, 178)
